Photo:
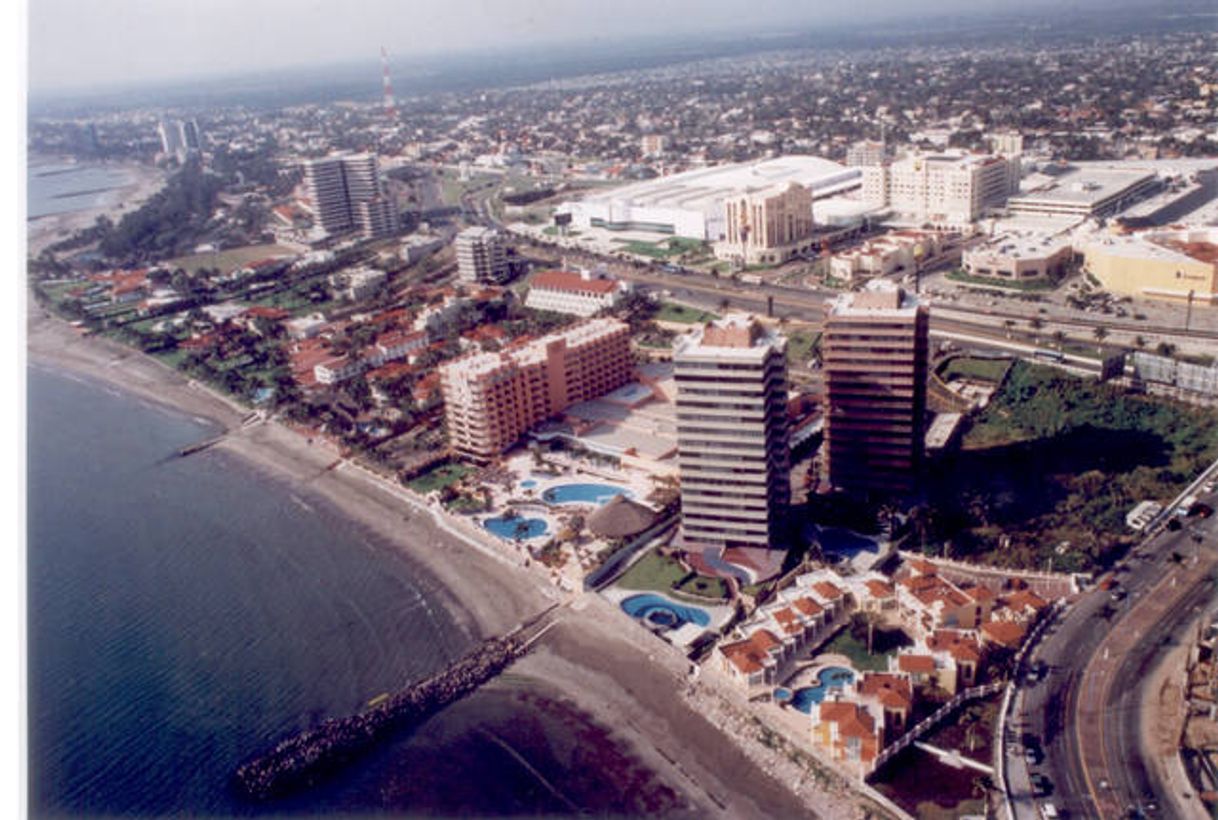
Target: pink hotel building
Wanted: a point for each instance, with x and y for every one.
(491, 399)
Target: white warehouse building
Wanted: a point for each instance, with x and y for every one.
(690, 204)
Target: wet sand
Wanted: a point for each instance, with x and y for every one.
(603, 662)
(47, 230)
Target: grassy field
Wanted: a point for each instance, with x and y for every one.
(1046, 474)
(653, 572)
(441, 476)
(704, 587)
(671, 312)
(229, 259)
(986, 370)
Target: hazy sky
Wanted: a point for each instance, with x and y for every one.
(81, 43)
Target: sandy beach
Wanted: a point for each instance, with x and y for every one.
(604, 663)
(47, 230)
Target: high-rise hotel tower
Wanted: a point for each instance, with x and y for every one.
(874, 351)
(732, 434)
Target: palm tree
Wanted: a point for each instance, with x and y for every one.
(1059, 336)
(1100, 333)
(1009, 324)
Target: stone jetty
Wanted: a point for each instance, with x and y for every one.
(302, 760)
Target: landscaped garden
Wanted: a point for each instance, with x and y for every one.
(1046, 474)
(443, 476)
(852, 642)
(672, 312)
(661, 573)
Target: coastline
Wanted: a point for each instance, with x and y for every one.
(42, 231)
(619, 674)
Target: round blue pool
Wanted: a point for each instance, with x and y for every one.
(660, 611)
(582, 493)
(513, 528)
(831, 677)
(528, 483)
(782, 694)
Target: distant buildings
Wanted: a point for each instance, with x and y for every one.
(654, 144)
(578, 293)
(867, 152)
(875, 354)
(948, 190)
(732, 434)
(179, 138)
(767, 225)
(1177, 264)
(481, 256)
(491, 399)
(345, 195)
(1013, 258)
(690, 204)
(891, 253)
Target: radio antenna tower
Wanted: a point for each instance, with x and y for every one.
(390, 107)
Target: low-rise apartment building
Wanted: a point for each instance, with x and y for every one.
(576, 293)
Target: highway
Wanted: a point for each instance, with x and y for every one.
(1083, 720)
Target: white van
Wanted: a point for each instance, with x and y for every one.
(1048, 811)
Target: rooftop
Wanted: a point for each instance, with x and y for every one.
(878, 298)
(737, 335)
(1080, 186)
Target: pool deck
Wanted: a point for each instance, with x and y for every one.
(684, 635)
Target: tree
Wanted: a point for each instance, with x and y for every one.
(1059, 336)
(1100, 333)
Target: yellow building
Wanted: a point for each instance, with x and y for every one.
(767, 226)
(1158, 264)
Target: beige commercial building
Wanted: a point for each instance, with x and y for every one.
(491, 399)
(732, 434)
(1178, 265)
(875, 353)
(1013, 258)
(948, 190)
(768, 225)
(481, 256)
(345, 194)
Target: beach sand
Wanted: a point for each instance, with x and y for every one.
(603, 662)
(52, 228)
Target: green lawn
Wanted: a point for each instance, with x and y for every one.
(653, 572)
(228, 259)
(440, 477)
(800, 346)
(986, 370)
(852, 642)
(672, 312)
(704, 587)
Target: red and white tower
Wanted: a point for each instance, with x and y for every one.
(390, 107)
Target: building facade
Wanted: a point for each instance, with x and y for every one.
(345, 195)
(767, 226)
(577, 293)
(492, 399)
(732, 434)
(1018, 259)
(949, 190)
(875, 353)
(1179, 265)
(481, 256)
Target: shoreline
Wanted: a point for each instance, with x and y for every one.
(47, 229)
(612, 670)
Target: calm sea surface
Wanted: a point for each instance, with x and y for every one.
(186, 613)
(54, 186)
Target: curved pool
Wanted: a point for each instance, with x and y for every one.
(660, 611)
(831, 677)
(582, 493)
(529, 483)
(512, 528)
(841, 541)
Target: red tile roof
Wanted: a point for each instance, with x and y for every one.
(1006, 633)
(916, 664)
(571, 282)
(893, 691)
(964, 648)
(827, 590)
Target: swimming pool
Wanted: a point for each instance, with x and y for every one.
(582, 493)
(528, 483)
(660, 611)
(513, 528)
(831, 677)
(845, 542)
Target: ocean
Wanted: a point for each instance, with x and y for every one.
(186, 613)
(56, 186)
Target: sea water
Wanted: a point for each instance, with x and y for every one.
(186, 613)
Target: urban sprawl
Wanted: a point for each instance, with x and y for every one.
(854, 377)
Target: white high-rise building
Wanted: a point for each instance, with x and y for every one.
(481, 256)
(732, 434)
(171, 137)
(948, 190)
(346, 194)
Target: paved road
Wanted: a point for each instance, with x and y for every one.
(1084, 716)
